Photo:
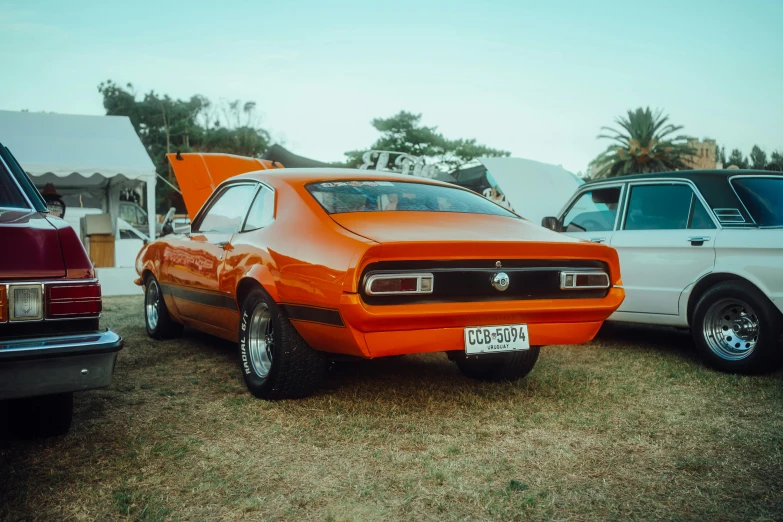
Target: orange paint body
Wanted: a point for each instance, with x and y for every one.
(313, 262)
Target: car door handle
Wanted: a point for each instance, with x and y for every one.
(698, 240)
(597, 239)
(222, 244)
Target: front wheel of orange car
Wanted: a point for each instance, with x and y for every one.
(509, 366)
(276, 362)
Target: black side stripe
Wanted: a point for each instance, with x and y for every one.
(200, 297)
(313, 314)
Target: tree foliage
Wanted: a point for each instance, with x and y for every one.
(720, 155)
(404, 133)
(776, 161)
(758, 158)
(643, 141)
(196, 125)
(737, 159)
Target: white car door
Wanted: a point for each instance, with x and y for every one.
(592, 214)
(665, 240)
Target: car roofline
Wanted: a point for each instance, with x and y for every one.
(717, 173)
(301, 177)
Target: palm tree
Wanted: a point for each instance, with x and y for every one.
(643, 144)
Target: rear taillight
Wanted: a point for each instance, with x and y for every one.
(584, 280)
(73, 300)
(399, 284)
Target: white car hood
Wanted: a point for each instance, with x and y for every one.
(534, 189)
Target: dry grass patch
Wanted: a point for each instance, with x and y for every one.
(628, 427)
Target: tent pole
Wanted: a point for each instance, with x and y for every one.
(152, 218)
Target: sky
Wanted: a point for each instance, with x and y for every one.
(538, 79)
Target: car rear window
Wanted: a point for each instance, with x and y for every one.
(337, 197)
(10, 195)
(763, 197)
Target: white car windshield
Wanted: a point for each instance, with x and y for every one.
(763, 197)
(338, 197)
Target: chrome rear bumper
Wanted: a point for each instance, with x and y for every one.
(45, 365)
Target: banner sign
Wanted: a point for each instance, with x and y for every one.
(401, 163)
(398, 162)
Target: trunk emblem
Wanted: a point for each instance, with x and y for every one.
(500, 281)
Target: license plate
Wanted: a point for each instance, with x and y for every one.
(491, 339)
(26, 302)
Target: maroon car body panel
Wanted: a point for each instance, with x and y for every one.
(77, 263)
(35, 244)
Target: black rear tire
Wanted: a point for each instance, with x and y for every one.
(715, 345)
(44, 416)
(509, 366)
(283, 366)
(159, 323)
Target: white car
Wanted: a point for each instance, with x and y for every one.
(698, 249)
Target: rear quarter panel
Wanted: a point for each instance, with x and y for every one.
(755, 255)
(306, 254)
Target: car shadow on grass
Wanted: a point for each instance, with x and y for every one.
(664, 339)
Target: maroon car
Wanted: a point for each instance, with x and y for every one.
(50, 306)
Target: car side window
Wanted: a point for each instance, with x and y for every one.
(226, 213)
(10, 196)
(700, 217)
(128, 213)
(664, 207)
(594, 211)
(262, 212)
(141, 216)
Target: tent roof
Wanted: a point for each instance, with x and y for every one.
(60, 145)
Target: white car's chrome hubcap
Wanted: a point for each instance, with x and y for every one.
(731, 329)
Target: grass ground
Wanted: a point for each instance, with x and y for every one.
(630, 426)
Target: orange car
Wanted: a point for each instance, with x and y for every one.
(300, 264)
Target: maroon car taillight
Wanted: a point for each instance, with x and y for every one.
(73, 300)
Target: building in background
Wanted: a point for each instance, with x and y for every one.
(705, 154)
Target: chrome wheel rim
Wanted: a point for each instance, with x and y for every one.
(261, 340)
(152, 303)
(731, 329)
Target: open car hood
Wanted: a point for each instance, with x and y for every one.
(534, 189)
(199, 173)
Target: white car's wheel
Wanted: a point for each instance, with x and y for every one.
(737, 329)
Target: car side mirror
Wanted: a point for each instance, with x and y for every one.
(552, 223)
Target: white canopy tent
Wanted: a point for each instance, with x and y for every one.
(98, 155)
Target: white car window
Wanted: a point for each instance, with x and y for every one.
(594, 211)
(665, 207)
(128, 213)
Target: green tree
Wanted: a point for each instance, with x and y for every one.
(720, 155)
(644, 142)
(737, 159)
(776, 161)
(758, 158)
(166, 125)
(404, 133)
